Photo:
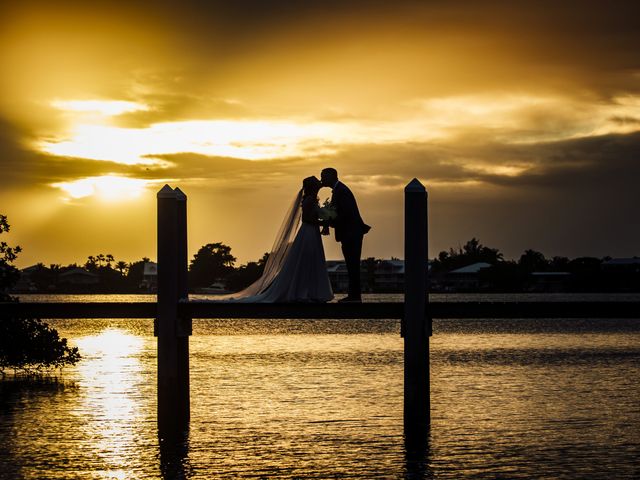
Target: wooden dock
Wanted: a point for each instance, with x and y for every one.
(382, 310)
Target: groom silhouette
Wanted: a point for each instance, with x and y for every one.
(349, 229)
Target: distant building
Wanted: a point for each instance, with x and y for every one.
(78, 276)
(150, 276)
(551, 282)
(465, 278)
(375, 276)
(338, 275)
(389, 276)
(30, 270)
(25, 283)
(472, 269)
(620, 264)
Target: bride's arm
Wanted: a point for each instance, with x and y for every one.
(310, 210)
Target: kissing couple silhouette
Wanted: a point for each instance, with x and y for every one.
(296, 269)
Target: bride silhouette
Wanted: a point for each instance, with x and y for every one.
(296, 268)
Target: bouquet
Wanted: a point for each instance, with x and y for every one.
(327, 211)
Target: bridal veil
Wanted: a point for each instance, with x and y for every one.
(277, 256)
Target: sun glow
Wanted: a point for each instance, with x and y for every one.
(500, 170)
(256, 140)
(104, 107)
(107, 187)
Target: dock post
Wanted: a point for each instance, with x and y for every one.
(416, 326)
(173, 412)
(184, 324)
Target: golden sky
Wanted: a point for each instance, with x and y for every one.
(521, 118)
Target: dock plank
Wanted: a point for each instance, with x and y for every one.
(384, 310)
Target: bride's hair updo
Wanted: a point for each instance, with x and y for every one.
(311, 186)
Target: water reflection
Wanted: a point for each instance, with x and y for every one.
(298, 399)
(110, 406)
(174, 455)
(417, 454)
(16, 396)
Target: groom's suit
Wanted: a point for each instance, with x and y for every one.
(349, 231)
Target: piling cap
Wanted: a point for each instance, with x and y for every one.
(180, 195)
(166, 192)
(414, 186)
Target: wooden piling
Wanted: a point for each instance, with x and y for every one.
(173, 351)
(182, 255)
(184, 322)
(416, 323)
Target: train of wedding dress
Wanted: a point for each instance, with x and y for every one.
(295, 270)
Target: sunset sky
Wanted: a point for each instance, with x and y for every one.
(522, 119)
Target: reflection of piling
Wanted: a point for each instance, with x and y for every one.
(172, 331)
(174, 455)
(416, 325)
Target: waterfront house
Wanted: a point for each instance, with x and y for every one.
(338, 275)
(389, 276)
(25, 282)
(78, 276)
(622, 264)
(552, 282)
(150, 277)
(465, 278)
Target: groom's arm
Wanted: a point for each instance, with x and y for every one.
(348, 207)
(337, 200)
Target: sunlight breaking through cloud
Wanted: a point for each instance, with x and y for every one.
(251, 140)
(507, 118)
(103, 107)
(106, 187)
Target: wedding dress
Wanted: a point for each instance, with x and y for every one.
(296, 268)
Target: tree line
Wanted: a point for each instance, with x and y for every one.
(112, 276)
(584, 274)
(215, 262)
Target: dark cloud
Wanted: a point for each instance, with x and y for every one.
(552, 38)
(579, 198)
(626, 120)
(599, 163)
(193, 57)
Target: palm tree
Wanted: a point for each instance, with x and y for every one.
(121, 266)
(532, 261)
(54, 268)
(90, 263)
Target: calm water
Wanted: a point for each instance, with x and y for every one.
(323, 399)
